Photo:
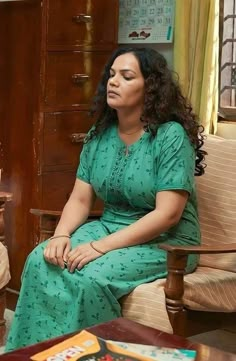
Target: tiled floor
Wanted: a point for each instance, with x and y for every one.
(224, 339)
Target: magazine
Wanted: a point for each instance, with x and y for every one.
(87, 347)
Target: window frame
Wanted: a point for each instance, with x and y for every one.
(227, 60)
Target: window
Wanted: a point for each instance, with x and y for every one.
(227, 96)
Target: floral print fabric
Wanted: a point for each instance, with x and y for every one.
(52, 301)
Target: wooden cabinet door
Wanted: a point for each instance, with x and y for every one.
(62, 141)
(82, 23)
(72, 77)
(58, 187)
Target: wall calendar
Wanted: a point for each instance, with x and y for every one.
(146, 21)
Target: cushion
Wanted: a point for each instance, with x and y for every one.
(4, 266)
(146, 305)
(210, 289)
(216, 191)
(206, 289)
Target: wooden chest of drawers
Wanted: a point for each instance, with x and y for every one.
(52, 56)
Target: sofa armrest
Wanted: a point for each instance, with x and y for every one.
(46, 222)
(186, 250)
(177, 257)
(44, 212)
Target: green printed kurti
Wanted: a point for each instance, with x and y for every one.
(53, 301)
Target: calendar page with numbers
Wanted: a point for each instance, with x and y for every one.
(146, 21)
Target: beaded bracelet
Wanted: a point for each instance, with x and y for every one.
(62, 235)
(95, 249)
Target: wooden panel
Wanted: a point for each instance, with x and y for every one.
(61, 145)
(20, 41)
(34, 152)
(82, 23)
(59, 186)
(72, 77)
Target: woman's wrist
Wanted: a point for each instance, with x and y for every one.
(60, 236)
(96, 248)
(61, 231)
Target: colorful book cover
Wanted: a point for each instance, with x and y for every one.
(87, 347)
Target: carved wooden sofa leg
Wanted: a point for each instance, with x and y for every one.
(4, 197)
(184, 320)
(174, 290)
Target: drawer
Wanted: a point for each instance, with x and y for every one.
(90, 23)
(72, 77)
(56, 188)
(62, 139)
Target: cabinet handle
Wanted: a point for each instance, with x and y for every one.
(79, 78)
(82, 18)
(77, 137)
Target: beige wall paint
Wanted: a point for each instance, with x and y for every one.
(227, 130)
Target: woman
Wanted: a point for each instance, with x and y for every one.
(140, 158)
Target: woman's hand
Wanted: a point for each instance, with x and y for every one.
(80, 256)
(56, 251)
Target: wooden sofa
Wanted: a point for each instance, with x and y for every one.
(4, 262)
(206, 299)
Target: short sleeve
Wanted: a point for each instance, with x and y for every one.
(176, 160)
(84, 167)
(83, 171)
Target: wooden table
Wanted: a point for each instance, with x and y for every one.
(125, 330)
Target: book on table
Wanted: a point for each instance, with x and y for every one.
(87, 347)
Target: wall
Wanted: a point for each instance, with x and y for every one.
(227, 130)
(165, 49)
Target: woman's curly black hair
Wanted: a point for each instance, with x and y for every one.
(163, 100)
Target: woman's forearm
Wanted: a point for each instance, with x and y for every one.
(77, 208)
(142, 231)
(169, 208)
(74, 214)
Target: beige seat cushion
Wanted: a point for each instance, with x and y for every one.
(146, 305)
(210, 289)
(216, 191)
(4, 266)
(206, 289)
